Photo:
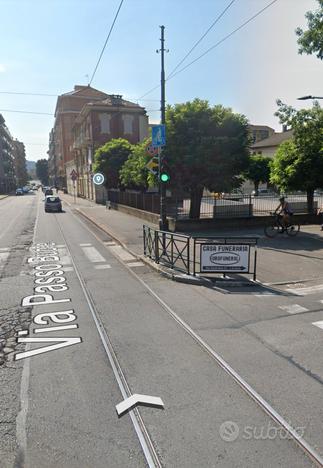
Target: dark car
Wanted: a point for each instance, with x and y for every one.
(53, 203)
(49, 191)
(19, 191)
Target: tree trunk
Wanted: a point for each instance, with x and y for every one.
(310, 200)
(196, 197)
(256, 187)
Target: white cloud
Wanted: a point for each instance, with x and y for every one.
(2, 68)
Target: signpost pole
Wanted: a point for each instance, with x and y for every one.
(74, 191)
(162, 187)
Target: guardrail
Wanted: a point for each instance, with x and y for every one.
(202, 255)
(172, 250)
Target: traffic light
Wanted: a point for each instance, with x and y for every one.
(164, 175)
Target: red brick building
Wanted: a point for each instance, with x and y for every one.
(68, 107)
(98, 123)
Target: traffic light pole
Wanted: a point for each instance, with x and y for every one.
(163, 224)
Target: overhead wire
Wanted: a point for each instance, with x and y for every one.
(106, 41)
(201, 38)
(25, 112)
(213, 47)
(225, 38)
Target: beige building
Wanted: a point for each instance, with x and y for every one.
(99, 122)
(269, 146)
(260, 132)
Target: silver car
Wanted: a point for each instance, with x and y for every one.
(53, 203)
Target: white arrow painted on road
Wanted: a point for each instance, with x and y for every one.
(137, 399)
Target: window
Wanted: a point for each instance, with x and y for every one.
(127, 124)
(105, 123)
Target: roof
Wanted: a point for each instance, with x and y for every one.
(274, 140)
(114, 100)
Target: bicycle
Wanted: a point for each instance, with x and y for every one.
(272, 230)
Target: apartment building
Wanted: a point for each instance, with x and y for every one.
(7, 163)
(60, 152)
(98, 123)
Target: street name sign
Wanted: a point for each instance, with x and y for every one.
(158, 134)
(98, 178)
(225, 258)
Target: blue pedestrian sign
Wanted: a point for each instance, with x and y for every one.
(158, 134)
(98, 178)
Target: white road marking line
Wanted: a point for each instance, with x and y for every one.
(122, 253)
(85, 245)
(318, 324)
(109, 243)
(93, 255)
(265, 294)
(293, 309)
(4, 249)
(68, 268)
(135, 264)
(306, 291)
(60, 246)
(102, 267)
(3, 256)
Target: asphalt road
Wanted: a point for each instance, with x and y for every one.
(139, 333)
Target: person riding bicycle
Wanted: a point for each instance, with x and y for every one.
(284, 210)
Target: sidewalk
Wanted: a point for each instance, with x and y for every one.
(124, 228)
(281, 259)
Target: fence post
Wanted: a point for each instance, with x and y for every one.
(250, 206)
(144, 237)
(188, 256)
(172, 250)
(194, 257)
(156, 247)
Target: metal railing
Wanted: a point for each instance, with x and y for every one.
(167, 248)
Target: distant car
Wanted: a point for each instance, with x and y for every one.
(26, 189)
(49, 191)
(318, 192)
(263, 193)
(19, 191)
(53, 203)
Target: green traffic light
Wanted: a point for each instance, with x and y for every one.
(164, 177)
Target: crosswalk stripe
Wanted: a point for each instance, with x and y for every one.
(3, 257)
(306, 291)
(122, 253)
(293, 309)
(135, 264)
(318, 324)
(68, 268)
(85, 245)
(4, 249)
(93, 255)
(102, 267)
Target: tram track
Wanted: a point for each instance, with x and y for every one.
(306, 447)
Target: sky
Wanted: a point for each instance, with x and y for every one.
(48, 46)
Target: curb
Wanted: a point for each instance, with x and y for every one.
(5, 196)
(164, 271)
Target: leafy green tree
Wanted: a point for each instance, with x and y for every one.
(258, 170)
(207, 147)
(110, 158)
(42, 171)
(134, 173)
(311, 41)
(298, 164)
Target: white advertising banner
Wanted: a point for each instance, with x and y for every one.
(225, 258)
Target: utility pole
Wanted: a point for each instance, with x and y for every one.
(163, 225)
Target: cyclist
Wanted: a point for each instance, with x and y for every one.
(284, 210)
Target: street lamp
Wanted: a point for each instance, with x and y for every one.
(304, 98)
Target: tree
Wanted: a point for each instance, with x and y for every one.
(134, 173)
(207, 147)
(311, 41)
(258, 170)
(109, 159)
(42, 170)
(298, 164)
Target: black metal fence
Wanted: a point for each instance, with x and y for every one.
(172, 250)
(243, 206)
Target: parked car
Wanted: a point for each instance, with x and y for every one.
(53, 203)
(19, 191)
(48, 191)
(263, 193)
